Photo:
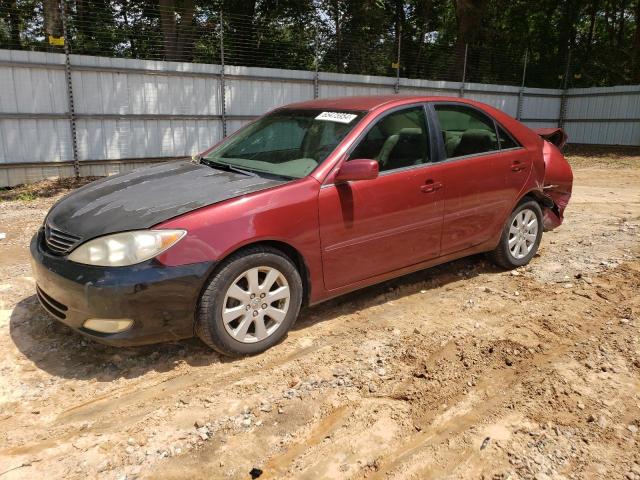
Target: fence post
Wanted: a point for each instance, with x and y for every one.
(565, 86)
(69, 81)
(464, 69)
(521, 91)
(396, 87)
(223, 87)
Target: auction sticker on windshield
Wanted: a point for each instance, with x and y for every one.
(339, 117)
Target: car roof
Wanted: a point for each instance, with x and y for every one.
(368, 103)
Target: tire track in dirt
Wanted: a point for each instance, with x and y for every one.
(483, 405)
(277, 466)
(339, 442)
(106, 406)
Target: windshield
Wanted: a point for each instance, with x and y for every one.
(289, 143)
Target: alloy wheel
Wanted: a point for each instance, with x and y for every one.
(256, 303)
(523, 233)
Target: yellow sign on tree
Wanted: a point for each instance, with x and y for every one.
(56, 41)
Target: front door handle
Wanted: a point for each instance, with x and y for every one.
(517, 166)
(430, 186)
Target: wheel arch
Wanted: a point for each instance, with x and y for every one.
(537, 196)
(286, 249)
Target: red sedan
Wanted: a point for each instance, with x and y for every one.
(308, 202)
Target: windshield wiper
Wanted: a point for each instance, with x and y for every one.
(225, 166)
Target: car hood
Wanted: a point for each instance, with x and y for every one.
(145, 197)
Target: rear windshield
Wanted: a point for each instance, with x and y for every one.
(288, 143)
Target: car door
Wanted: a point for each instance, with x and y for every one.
(481, 180)
(372, 227)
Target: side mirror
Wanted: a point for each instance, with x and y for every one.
(357, 169)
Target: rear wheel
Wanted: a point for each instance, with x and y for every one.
(251, 302)
(520, 237)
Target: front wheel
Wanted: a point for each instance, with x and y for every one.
(251, 302)
(520, 237)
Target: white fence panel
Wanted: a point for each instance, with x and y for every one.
(608, 115)
(254, 91)
(348, 85)
(130, 109)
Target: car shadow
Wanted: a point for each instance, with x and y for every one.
(378, 294)
(62, 352)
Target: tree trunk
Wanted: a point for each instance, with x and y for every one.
(14, 24)
(168, 26)
(635, 60)
(621, 23)
(83, 26)
(399, 22)
(336, 13)
(424, 13)
(569, 15)
(186, 31)
(52, 18)
(592, 25)
(469, 14)
(243, 40)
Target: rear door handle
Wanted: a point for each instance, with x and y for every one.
(430, 186)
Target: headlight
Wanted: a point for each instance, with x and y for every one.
(126, 248)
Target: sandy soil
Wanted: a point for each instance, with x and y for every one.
(461, 371)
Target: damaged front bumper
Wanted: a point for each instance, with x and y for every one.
(160, 301)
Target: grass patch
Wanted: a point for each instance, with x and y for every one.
(26, 196)
(42, 189)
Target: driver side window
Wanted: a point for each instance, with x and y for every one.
(397, 140)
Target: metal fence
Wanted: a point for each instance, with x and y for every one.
(185, 32)
(86, 115)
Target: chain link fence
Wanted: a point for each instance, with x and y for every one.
(215, 48)
(144, 30)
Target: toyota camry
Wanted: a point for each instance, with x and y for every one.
(308, 202)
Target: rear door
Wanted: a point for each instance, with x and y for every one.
(372, 227)
(481, 180)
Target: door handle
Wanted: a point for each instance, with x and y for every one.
(517, 166)
(430, 186)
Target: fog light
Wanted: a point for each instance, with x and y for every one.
(105, 325)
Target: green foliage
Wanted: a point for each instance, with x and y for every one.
(358, 36)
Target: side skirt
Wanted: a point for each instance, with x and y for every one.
(481, 248)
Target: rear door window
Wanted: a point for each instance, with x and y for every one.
(466, 131)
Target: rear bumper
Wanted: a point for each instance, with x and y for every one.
(554, 215)
(160, 300)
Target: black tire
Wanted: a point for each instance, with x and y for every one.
(502, 256)
(209, 324)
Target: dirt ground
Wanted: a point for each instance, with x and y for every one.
(460, 371)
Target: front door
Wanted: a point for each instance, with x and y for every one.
(372, 227)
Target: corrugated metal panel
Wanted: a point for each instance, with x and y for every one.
(508, 103)
(34, 140)
(331, 85)
(107, 90)
(540, 107)
(254, 97)
(540, 124)
(28, 174)
(609, 106)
